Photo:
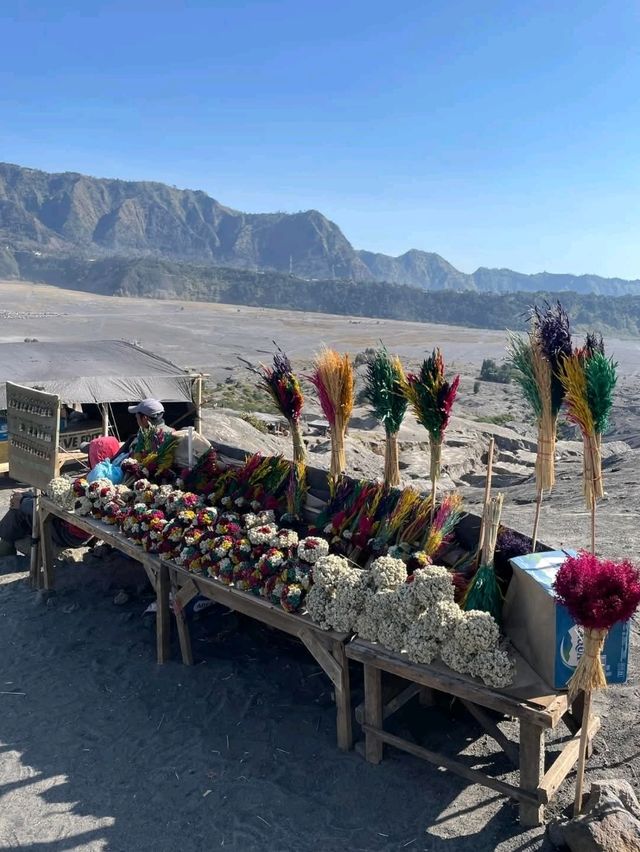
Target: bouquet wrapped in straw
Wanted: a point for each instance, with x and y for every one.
(483, 592)
(598, 594)
(431, 397)
(282, 384)
(384, 384)
(444, 522)
(538, 358)
(333, 380)
(589, 379)
(296, 492)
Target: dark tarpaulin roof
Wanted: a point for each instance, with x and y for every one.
(92, 371)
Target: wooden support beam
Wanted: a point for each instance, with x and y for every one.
(492, 729)
(186, 594)
(163, 615)
(184, 636)
(531, 756)
(322, 656)
(373, 714)
(343, 698)
(565, 762)
(46, 549)
(454, 766)
(393, 705)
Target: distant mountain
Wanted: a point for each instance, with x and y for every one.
(158, 278)
(73, 215)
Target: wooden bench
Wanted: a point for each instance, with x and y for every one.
(532, 703)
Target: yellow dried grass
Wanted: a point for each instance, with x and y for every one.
(334, 372)
(545, 458)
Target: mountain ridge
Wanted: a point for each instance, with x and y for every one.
(69, 213)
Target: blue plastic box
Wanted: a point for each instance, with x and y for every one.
(543, 631)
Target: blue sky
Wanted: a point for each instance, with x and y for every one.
(494, 133)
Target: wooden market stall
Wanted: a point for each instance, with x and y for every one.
(535, 706)
(100, 378)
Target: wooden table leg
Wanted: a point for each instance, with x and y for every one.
(373, 712)
(531, 770)
(46, 550)
(184, 637)
(343, 699)
(163, 615)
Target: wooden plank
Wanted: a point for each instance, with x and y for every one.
(46, 549)
(373, 713)
(343, 698)
(427, 697)
(509, 748)
(531, 760)
(184, 636)
(186, 594)
(564, 763)
(394, 704)
(109, 534)
(321, 655)
(163, 616)
(255, 607)
(35, 573)
(455, 766)
(445, 680)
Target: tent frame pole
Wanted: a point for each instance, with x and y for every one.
(105, 419)
(198, 404)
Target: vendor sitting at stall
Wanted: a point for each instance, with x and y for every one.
(151, 426)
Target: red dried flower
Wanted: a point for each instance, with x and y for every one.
(598, 592)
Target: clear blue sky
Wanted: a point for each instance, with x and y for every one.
(494, 133)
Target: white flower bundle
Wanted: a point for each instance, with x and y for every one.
(431, 629)
(317, 603)
(60, 490)
(375, 608)
(83, 506)
(329, 571)
(348, 600)
(262, 534)
(432, 584)
(473, 648)
(162, 495)
(312, 548)
(387, 572)
(251, 520)
(284, 539)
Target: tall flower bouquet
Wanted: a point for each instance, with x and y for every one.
(598, 594)
(443, 524)
(538, 358)
(589, 379)
(296, 492)
(334, 382)
(282, 384)
(384, 382)
(431, 397)
(483, 592)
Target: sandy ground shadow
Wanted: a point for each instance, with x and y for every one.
(104, 750)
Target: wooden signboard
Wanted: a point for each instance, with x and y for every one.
(33, 420)
(71, 440)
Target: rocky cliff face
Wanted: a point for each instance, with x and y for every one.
(81, 216)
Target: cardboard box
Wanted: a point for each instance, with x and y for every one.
(544, 632)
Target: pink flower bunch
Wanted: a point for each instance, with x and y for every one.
(598, 592)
